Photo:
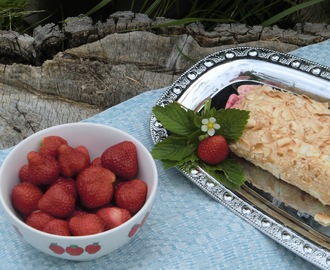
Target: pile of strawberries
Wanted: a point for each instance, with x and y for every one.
(63, 192)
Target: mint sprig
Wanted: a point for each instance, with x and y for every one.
(184, 128)
(173, 148)
(175, 118)
(229, 171)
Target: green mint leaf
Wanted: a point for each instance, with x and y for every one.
(175, 118)
(185, 163)
(232, 123)
(232, 169)
(222, 179)
(198, 120)
(193, 138)
(173, 148)
(167, 164)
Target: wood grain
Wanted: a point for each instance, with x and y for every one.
(66, 75)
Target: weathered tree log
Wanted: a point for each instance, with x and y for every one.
(115, 68)
(106, 64)
(48, 40)
(22, 113)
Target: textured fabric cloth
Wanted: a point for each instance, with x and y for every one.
(186, 229)
(317, 52)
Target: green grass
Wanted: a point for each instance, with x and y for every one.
(285, 13)
(11, 12)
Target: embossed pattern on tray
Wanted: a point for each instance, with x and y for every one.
(213, 77)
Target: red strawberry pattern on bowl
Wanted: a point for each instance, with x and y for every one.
(56, 248)
(137, 226)
(90, 140)
(75, 250)
(144, 219)
(133, 231)
(92, 248)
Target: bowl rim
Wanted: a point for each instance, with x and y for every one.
(147, 204)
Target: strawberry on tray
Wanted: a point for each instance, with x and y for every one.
(201, 139)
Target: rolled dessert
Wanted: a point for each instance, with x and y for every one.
(287, 135)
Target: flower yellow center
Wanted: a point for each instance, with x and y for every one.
(210, 125)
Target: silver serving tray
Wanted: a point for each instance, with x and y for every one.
(266, 206)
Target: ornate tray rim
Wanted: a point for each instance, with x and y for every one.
(240, 205)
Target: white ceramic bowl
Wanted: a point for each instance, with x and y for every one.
(96, 138)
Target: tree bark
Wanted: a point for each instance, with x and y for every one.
(103, 65)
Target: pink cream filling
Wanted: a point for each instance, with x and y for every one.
(234, 99)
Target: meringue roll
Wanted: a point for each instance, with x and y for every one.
(287, 135)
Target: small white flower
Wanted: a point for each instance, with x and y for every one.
(210, 125)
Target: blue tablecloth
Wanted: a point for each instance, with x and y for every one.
(186, 230)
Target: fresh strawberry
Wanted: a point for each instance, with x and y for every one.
(24, 174)
(43, 169)
(97, 162)
(213, 150)
(50, 144)
(78, 213)
(83, 149)
(118, 183)
(72, 161)
(131, 195)
(113, 216)
(121, 159)
(86, 225)
(57, 201)
(69, 184)
(38, 219)
(57, 226)
(95, 186)
(25, 197)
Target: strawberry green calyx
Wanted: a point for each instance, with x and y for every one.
(187, 129)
